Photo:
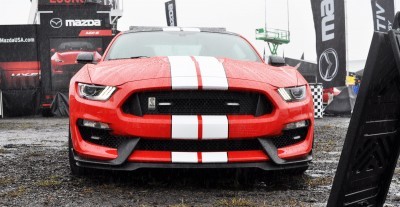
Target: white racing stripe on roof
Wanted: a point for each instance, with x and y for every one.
(190, 29)
(178, 29)
(212, 73)
(171, 29)
(183, 73)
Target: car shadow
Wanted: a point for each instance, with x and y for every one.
(230, 179)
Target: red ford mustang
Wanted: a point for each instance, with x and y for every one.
(187, 98)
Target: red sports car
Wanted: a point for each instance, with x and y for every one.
(188, 98)
(63, 61)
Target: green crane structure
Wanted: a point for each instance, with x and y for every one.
(274, 37)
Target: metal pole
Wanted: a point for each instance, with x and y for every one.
(346, 38)
(265, 13)
(1, 104)
(288, 15)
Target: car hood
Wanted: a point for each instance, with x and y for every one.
(118, 72)
(70, 56)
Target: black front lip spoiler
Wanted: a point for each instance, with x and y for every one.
(126, 149)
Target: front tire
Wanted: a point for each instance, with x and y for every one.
(75, 169)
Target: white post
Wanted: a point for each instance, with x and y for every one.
(346, 39)
(1, 104)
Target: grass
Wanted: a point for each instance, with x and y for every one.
(16, 193)
(5, 181)
(87, 190)
(242, 202)
(182, 204)
(327, 146)
(34, 154)
(20, 126)
(3, 151)
(179, 205)
(286, 202)
(320, 181)
(51, 182)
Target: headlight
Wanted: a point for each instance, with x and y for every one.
(293, 94)
(94, 92)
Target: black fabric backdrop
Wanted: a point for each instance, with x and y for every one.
(21, 102)
(19, 69)
(330, 30)
(307, 69)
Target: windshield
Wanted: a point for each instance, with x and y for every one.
(73, 46)
(151, 44)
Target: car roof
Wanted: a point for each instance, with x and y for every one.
(135, 29)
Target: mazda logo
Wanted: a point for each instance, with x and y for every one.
(56, 23)
(328, 64)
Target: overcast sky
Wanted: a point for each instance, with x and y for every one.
(238, 16)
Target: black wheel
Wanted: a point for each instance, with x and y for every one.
(46, 112)
(75, 169)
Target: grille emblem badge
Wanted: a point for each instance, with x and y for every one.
(151, 104)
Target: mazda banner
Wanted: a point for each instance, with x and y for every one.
(382, 14)
(329, 21)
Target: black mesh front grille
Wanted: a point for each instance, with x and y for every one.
(100, 137)
(105, 138)
(198, 102)
(287, 138)
(199, 145)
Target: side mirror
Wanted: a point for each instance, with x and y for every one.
(52, 50)
(85, 58)
(276, 61)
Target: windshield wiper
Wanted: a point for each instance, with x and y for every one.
(134, 57)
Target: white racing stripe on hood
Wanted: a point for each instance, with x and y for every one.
(214, 157)
(184, 127)
(193, 157)
(215, 127)
(188, 126)
(184, 157)
(212, 73)
(183, 73)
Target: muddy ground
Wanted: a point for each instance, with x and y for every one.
(34, 171)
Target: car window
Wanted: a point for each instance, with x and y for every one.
(182, 44)
(69, 46)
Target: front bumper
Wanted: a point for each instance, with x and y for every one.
(125, 150)
(158, 127)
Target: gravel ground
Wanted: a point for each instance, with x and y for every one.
(34, 171)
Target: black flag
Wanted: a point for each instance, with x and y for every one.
(382, 14)
(170, 11)
(329, 21)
